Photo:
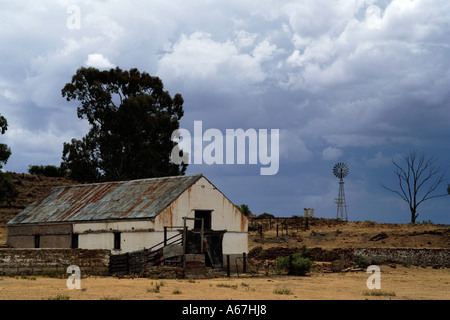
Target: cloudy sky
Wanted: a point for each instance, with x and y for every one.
(357, 81)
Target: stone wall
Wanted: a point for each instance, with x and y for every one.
(414, 256)
(34, 261)
(424, 257)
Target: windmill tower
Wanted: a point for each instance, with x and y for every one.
(340, 170)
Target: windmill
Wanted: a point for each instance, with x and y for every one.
(340, 170)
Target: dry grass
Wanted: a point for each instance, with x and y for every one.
(407, 283)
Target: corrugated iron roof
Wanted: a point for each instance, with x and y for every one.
(135, 199)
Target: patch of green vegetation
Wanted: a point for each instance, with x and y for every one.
(283, 291)
(110, 298)
(157, 287)
(59, 297)
(361, 261)
(405, 264)
(224, 285)
(247, 287)
(295, 264)
(378, 293)
(26, 276)
(52, 273)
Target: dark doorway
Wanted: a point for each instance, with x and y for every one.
(206, 216)
(117, 240)
(37, 241)
(212, 246)
(214, 255)
(74, 244)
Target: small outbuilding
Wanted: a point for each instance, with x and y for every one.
(128, 216)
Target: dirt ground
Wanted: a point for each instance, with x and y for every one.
(331, 233)
(399, 283)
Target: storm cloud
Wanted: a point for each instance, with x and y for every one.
(358, 81)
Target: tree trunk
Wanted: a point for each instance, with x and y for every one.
(414, 215)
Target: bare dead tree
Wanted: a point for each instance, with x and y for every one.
(418, 179)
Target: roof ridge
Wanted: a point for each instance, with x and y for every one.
(125, 181)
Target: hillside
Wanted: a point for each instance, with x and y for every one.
(325, 233)
(332, 233)
(31, 188)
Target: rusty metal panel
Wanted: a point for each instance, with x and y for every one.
(134, 199)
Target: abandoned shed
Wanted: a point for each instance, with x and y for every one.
(128, 216)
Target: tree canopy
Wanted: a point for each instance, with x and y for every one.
(5, 151)
(46, 170)
(244, 209)
(132, 119)
(8, 190)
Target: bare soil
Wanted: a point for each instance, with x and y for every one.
(397, 282)
(331, 233)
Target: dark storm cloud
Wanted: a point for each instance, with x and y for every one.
(359, 81)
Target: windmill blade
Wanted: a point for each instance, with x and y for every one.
(340, 170)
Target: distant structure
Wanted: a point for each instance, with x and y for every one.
(340, 170)
(307, 212)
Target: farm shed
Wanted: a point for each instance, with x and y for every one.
(128, 216)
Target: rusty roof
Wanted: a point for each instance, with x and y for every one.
(135, 199)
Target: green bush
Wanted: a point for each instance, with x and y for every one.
(52, 273)
(282, 291)
(361, 261)
(305, 252)
(266, 215)
(294, 264)
(300, 266)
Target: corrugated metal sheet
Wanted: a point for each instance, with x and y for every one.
(143, 198)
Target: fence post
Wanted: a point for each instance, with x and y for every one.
(228, 265)
(244, 262)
